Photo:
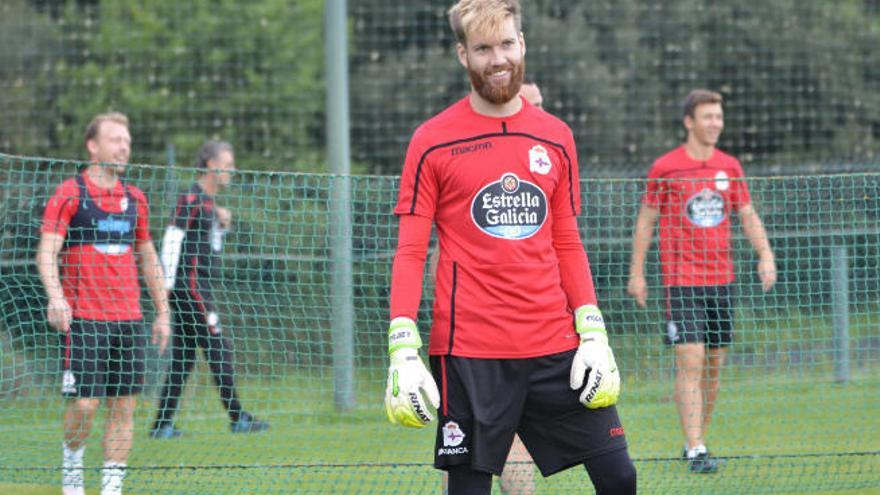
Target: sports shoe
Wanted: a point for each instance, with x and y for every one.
(248, 424)
(703, 463)
(166, 432)
(684, 453)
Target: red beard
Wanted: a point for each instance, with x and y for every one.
(498, 95)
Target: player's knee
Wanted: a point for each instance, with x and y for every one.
(86, 406)
(517, 479)
(620, 482)
(613, 474)
(465, 481)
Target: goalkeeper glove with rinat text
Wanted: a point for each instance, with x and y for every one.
(594, 361)
(409, 381)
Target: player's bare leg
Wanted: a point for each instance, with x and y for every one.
(119, 431)
(689, 363)
(118, 435)
(712, 383)
(78, 418)
(518, 477)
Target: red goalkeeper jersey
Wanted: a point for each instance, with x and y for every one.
(494, 188)
(695, 199)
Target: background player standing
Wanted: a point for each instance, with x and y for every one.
(195, 237)
(532, 93)
(693, 189)
(100, 227)
(516, 327)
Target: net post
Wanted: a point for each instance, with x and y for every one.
(170, 174)
(338, 156)
(840, 311)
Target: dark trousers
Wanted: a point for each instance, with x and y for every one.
(191, 331)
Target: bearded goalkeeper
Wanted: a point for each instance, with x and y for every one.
(518, 344)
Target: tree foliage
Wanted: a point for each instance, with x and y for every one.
(800, 79)
(23, 58)
(187, 71)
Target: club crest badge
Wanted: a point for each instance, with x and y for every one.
(68, 383)
(671, 332)
(123, 203)
(539, 160)
(721, 181)
(452, 434)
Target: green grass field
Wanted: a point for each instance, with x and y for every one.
(781, 434)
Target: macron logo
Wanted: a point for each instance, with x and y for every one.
(470, 148)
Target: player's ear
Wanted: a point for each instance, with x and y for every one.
(91, 147)
(688, 122)
(461, 51)
(522, 42)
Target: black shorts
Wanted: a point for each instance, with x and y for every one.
(699, 315)
(103, 358)
(485, 401)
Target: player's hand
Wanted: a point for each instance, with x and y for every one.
(161, 330)
(594, 361)
(58, 314)
(224, 217)
(767, 272)
(638, 289)
(409, 381)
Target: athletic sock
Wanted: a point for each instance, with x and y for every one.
(72, 471)
(699, 449)
(113, 475)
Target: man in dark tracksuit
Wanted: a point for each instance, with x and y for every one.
(190, 257)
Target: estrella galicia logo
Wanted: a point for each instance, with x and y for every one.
(706, 208)
(509, 208)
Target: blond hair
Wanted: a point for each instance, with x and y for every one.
(484, 16)
(95, 125)
(696, 98)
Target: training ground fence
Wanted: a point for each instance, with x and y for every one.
(303, 286)
(305, 305)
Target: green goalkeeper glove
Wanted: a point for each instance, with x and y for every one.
(408, 379)
(594, 360)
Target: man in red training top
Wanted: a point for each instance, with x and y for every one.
(693, 189)
(518, 477)
(98, 224)
(518, 344)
